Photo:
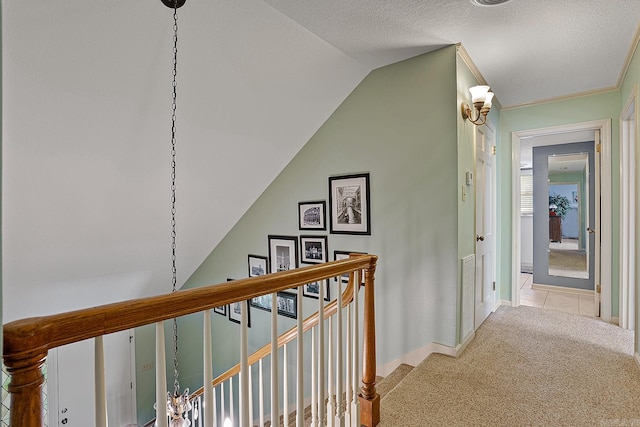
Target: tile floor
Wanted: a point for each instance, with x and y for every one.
(554, 300)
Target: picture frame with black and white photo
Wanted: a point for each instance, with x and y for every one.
(349, 204)
(314, 249)
(337, 255)
(235, 315)
(312, 290)
(288, 304)
(311, 215)
(258, 265)
(222, 310)
(283, 253)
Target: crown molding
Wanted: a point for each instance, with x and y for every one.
(563, 97)
(627, 63)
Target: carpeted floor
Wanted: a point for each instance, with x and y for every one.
(525, 367)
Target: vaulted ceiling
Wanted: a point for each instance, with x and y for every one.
(86, 114)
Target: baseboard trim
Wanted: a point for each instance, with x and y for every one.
(415, 357)
(565, 289)
(615, 321)
(508, 303)
(637, 358)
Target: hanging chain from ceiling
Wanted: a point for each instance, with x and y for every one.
(176, 382)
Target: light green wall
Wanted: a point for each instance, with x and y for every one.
(575, 110)
(400, 125)
(629, 85)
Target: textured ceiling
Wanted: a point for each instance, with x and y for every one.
(526, 50)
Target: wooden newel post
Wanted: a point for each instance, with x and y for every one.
(369, 398)
(26, 388)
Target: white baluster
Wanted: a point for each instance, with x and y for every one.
(100, 384)
(222, 408)
(285, 395)
(322, 409)
(348, 389)
(314, 377)
(331, 404)
(207, 371)
(250, 420)
(244, 365)
(261, 393)
(232, 412)
(355, 403)
(339, 368)
(300, 366)
(162, 419)
(275, 410)
(215, 410)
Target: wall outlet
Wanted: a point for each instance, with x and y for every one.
(147, 366)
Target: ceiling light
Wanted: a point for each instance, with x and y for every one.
(481, 96)
(488, 2)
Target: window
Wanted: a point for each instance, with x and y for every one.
(526, 192)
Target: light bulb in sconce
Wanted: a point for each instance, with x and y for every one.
(481, 97)
(227, 422)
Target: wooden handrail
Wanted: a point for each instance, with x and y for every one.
(27, 341)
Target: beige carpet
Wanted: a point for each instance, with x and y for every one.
(525, 367)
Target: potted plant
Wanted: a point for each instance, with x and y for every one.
(558, 205)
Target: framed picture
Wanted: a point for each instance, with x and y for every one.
(344, 255)
(349, 206)
(236, 316)
(314, 249)
(311, 215)
(262, 302)
(283, 253)
(221, 310)
(312, 290)
(288, 304)
(258, 265)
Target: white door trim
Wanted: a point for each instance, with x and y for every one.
(628, 140)
(606, 236)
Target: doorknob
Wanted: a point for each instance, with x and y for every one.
(591, 230)
(479, 238)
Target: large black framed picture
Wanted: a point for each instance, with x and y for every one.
(314, 249)
(283, 253)
(349, 204)
(311, 215)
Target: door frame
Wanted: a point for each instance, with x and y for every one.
(628, 210)
(604, 127)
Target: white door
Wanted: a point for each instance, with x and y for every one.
(71, 380)
(485, 225)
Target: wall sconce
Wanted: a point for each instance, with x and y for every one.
(481, 98)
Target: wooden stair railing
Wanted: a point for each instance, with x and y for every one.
(27, 341)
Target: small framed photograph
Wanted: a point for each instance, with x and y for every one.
(344, 255)
(283, 253)
(258, 265)
(349, 204)
(312, 290)
(311, 215)
(236, 316)
(288, 304)
(262, 302)
(314, 249)
(221, 310)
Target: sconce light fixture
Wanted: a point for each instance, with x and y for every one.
(481, 97)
